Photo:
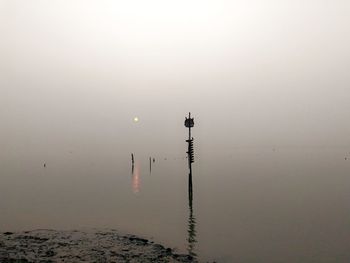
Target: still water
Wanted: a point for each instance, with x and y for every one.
(249, 204)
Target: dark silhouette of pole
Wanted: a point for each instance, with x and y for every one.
(189, 127)
(189, 123)
(132, 163)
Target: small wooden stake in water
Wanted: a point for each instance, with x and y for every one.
(132, 163)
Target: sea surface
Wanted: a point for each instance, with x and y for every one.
(250, 204)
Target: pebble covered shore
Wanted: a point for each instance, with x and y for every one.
(48, 246)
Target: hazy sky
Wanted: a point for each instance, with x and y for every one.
(257, 72)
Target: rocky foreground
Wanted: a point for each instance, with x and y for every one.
(44, 246)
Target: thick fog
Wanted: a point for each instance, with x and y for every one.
(74, 74)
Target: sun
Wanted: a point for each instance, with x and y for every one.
(136, 119)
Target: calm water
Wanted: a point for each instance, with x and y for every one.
(249, 204)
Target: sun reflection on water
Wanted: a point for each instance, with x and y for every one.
(136, 181)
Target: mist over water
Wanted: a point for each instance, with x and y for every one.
(268, 86)
(253, 204)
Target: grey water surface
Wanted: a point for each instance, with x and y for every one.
(249, 204)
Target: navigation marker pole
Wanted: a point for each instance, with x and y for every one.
(189, 123)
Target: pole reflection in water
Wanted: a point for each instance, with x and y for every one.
(191, 221)
(135, 178)
(150, 165)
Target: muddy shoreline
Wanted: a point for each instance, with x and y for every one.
(49, 246)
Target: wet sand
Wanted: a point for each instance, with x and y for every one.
(82, 246)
